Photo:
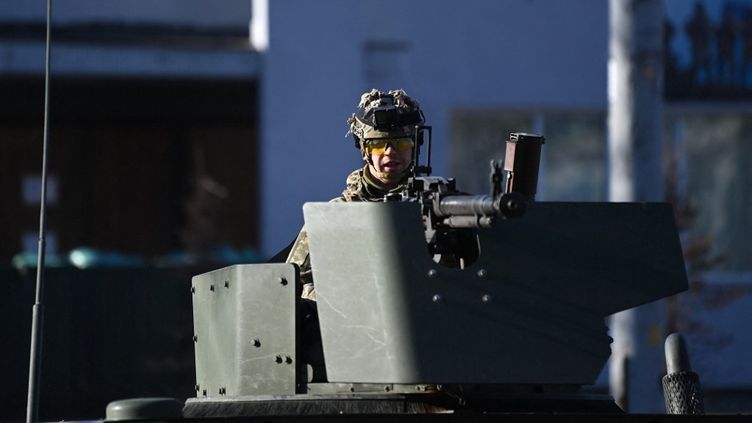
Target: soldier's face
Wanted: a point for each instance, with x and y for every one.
(388, 165)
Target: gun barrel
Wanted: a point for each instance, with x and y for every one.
(467, 205)
(478, 211)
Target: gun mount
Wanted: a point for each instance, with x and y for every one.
(450, 215)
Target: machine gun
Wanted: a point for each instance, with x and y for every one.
(445, 207)
(450, 215)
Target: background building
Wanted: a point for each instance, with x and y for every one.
(151, 106)
(179, 140)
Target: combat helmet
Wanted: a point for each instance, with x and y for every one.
(384, 114)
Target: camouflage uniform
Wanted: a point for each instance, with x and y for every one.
(359, 187)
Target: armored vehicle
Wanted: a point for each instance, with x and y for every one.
(432, 302)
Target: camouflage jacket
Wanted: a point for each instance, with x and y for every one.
(358, 188)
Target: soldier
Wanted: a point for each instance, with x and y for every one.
(383, 130)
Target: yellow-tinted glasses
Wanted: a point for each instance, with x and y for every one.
(378, 146)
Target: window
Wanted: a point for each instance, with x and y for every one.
(572, 159)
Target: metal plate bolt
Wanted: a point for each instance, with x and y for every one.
(211, 287)
(288, 359)
(256, 342)
(436, 298)
(431, 273)
(195, 338)
(486, 298)
(278, 359)
(282, 281)
(227, 284)
(482, 273)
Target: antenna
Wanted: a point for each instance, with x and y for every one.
(38, 311)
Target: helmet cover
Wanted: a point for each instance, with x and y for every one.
(383, 115)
